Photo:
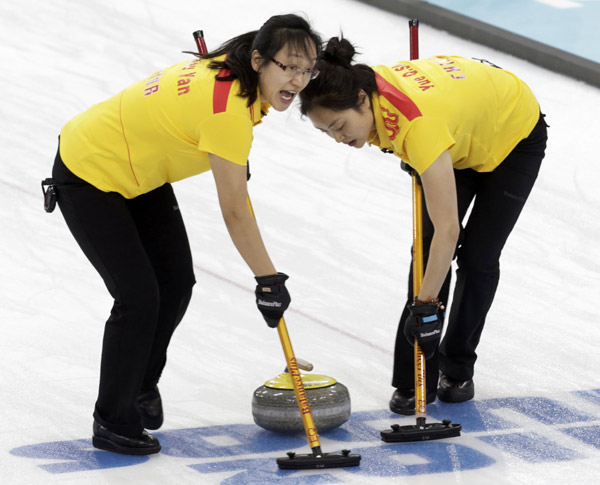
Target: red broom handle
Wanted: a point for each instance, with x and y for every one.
(199, 38)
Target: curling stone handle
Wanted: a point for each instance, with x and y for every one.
(304, 364)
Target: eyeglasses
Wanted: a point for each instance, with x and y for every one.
(295, 71)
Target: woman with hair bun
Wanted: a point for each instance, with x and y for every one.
(475, 135)
(113, 173)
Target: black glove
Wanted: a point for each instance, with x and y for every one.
(425, 324)
(272, 297)
(406, 167)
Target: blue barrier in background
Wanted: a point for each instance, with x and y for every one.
(570, 25)
(559, 35)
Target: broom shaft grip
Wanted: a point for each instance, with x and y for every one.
(199, 38)
(417, 201)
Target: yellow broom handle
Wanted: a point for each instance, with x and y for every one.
(250, 207)
(292, 365)
(417, 236)
(420, 399)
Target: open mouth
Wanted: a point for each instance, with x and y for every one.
(352, 143)
(287, 95)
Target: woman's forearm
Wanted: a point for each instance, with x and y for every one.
(246, 237)
(441, 253)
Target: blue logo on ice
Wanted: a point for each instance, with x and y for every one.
(501, 423)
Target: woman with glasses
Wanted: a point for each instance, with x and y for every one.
(113, 174)
(475, 135)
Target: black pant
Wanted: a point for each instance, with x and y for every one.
(141, 250)
(499, 198)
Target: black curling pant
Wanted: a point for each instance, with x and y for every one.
(499, 197)
(141, 250)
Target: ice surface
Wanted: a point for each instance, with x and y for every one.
(337, 220)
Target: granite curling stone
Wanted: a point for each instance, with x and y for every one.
(274, 405)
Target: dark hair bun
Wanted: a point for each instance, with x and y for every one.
(339, 51)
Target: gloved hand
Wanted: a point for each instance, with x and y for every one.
(425, 324)
(272, 297)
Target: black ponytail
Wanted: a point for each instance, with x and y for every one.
(275, 33)
(340, 82)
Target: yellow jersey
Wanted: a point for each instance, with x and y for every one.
(161, 129)
(477, 111)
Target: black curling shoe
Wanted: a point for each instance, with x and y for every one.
(452, 390)
(403, 401)
(151, 409)
(144, 444)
